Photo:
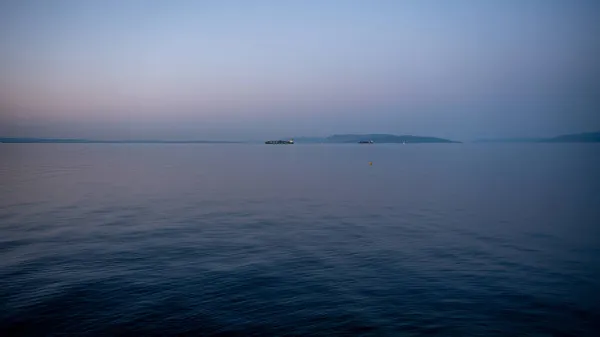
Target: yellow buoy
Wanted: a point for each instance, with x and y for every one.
(371, 163)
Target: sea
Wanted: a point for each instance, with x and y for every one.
(299, 240)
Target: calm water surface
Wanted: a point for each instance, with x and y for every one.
(432, 240)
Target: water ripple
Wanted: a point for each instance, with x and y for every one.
(101, 240)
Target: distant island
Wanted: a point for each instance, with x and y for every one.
(587, 137)
(376, 138)
(92, 141)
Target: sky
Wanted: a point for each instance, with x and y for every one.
(239, 70)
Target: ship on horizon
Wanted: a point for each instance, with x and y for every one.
(365, 142)
(291, 141)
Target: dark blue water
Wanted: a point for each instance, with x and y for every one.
(432, 240)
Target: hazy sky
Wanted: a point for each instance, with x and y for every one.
(259, 69)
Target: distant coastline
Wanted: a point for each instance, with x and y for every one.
(376, 138)
(586, 137)
(334, 139)
(95, 141)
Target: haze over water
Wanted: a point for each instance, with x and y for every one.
(256, 70)
(436, 239)
(256, 240)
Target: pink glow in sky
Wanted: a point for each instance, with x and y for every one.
(241, 68)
